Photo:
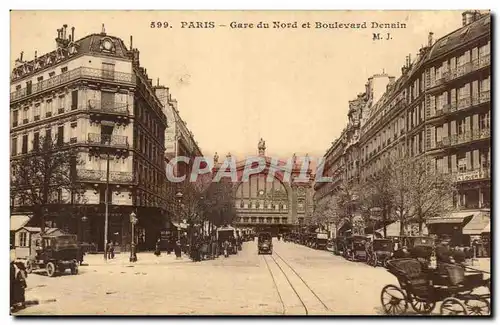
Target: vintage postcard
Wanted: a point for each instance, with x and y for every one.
(250, 163)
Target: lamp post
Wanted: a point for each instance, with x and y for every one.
(106, 203)
(84, 220)
(133, 255)
(178, 196)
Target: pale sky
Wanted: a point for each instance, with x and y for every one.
(233, 86)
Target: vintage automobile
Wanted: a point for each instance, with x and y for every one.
(380, 252)
(227, 233)
(355, 248)
(55, 254)
(321, 241)
(265, 243)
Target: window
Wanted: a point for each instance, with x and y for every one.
(18, 87)
(107, 100)
(24, 148)
(23, 239)
(48, 135)
(13, 146)
(36, 140)
(39, 79)
(15, 118)
(484, 121)
(108, 71)
(60, 135)
(64, 69)
(29, 85)
(74, 99)
(461, 126)
(462, 164)
(51, 74)
(37, 112)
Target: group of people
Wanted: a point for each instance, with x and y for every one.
(18, 285)
(201, 247)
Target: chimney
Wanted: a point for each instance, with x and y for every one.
(73, 34)
(64, 26)
(21, 56)
(36, 54)
(392, 80)
(150, 81)
(158, 82)
(131, 44)
(468, 17)
(103, 30)
(430, 39)
(409, 60)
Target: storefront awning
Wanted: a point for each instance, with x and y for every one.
(18, 221)
(476, 225)
(487, 229)
(455, 217)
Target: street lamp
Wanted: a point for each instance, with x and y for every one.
(106, 201)
(178, 196)
(133, 255)
(84, 220)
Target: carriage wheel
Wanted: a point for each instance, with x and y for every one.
(393, 300)
(478, 306)
(452, 307)
(51, 269)
(422, 306)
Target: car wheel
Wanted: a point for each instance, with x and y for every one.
(74, 269)
(51, 269)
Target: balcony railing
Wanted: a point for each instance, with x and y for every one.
(100, 176)
(83, 72)
(464, 102)
(484, 96)
(108, 107)
(483, 133)
(108, 140)
(470, 175)
(484, 61)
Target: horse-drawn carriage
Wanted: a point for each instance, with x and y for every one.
(380, 251)
(422, 288)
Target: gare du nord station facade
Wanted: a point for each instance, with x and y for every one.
(275, 203)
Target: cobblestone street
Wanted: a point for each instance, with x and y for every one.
(240, 284)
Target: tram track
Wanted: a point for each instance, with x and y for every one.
(295, 284)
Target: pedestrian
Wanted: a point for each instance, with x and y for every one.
(444, 256)
(177, 250)
(226, 248)
(214, 248)
(158, 248)
(110, 250)
(18, 285)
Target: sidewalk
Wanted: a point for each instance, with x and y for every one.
(143, 258)
(482, 264)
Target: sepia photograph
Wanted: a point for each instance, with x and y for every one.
(254, 163)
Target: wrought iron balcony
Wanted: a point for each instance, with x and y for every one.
(484, 96)
(121, 177)
(100, 176)
(483, 133)
(79, 73)
(108, 107)
(471, 175)
(484, 61)
(108, 140)
(91, 175)
(464, 102)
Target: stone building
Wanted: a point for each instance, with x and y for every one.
(92, 96)
(440, 107)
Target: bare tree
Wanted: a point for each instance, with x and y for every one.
(39, 178)
(346, 202)
(220, 203)
(377, 194)
(419, 190)
(431, 191)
